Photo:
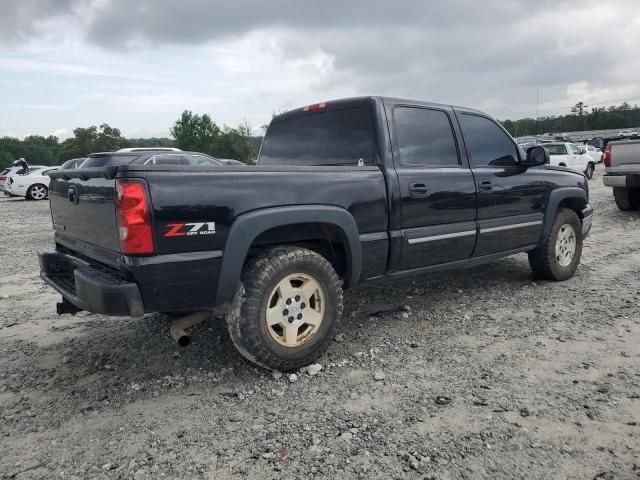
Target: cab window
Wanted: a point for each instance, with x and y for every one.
(487, 144)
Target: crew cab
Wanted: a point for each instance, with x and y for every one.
(622, 173)
(345, 192)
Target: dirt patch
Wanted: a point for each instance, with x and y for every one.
(490, 375)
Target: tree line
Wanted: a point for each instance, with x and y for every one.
(201, 134)
(580, 118)
(190, 132)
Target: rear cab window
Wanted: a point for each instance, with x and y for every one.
(339, 137)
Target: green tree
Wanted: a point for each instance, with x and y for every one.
(92, 139)
(195, 132)
(579, 108)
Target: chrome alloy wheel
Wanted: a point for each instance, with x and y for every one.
(38, 192)
(565, 245)
(295, 310)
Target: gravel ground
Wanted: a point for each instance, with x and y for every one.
(476, 374)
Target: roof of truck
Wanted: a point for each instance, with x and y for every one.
(341, 103)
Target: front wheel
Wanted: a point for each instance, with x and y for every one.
(287, 308)
(589, 171)
(558, 256)
(37, 192)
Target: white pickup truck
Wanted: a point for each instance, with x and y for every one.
(622, 172)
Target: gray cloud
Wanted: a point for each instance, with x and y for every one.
(492, 54)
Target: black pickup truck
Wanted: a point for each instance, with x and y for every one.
(344, 192)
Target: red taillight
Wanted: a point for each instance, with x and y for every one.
(133, 217)
(2, 178)
(315, 106)
(606, 156)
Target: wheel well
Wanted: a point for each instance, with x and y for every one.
(575, 204)
(324, 238)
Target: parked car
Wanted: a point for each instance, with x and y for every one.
(593, 152)
(627, 133)
(566, 154)
(32, 186)
(15, 170)
(622, 173)
(151, 157)
(344, 192)
(73, 163)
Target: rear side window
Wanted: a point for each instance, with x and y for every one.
(487, 144)
(109, 160)
(4, 172)
(425, 137)
(165, 160)
(333, 137)
(556, 149)
(200, 160)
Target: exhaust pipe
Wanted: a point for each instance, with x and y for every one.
(179, 325)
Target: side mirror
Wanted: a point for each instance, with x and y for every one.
(537, 156)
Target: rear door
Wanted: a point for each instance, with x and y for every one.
(438, 196)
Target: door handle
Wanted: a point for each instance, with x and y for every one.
(418, 190)
(485, 185)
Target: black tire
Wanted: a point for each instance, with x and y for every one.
(34, 192)
(246, 319)
(543, 260)
(589, 171)
(627, 199)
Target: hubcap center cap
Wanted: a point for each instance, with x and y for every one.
(294, 309)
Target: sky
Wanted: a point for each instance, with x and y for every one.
(137, 64)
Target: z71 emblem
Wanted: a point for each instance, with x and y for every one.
(182, 229)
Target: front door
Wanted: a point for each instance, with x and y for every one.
(511, 198)
(438, 197)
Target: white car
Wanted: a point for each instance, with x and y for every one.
(33, 186)
(11, 171)
(593, 152)
(565, 154)
(627, 133)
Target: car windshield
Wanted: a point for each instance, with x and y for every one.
(556, 149)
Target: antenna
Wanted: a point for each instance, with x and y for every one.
(537, 104)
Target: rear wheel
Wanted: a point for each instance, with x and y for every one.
(558, 256)
(37, 192)
(589, 171)
(287, 308)
(627, 198)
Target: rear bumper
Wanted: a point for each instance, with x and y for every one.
(161, 283)
(88, 287)
(622, 180)
(587, 220)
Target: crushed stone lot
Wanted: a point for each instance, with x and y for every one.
(483, 373)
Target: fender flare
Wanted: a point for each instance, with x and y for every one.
(557, 196)
(246, 228)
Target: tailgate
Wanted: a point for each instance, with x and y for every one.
(625, 156)
(83, 208)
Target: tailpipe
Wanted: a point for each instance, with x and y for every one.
(180, 325)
